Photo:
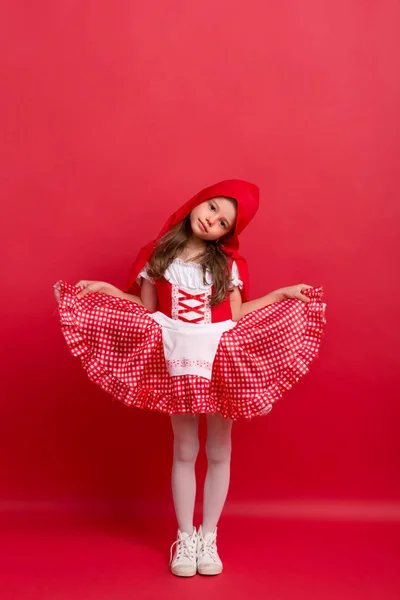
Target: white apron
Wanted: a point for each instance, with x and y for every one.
(190, 348)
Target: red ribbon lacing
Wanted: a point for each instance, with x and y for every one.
(186, 309)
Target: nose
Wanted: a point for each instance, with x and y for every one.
(209, 221)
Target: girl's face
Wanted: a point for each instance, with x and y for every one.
(214, 218)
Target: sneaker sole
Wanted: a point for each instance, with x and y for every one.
(210, 570)
(184, 572)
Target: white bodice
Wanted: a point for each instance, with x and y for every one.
(189, 276)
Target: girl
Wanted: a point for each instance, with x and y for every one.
(185, 339)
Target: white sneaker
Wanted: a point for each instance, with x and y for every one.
(184, 562)
(208, 561)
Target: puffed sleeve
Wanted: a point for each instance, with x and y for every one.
(235, 277)
(143, 275)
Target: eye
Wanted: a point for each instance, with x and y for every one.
(222, 223)
(212, 207)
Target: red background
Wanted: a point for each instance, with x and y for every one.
(115, 113)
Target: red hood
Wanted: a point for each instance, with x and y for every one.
(247, 197)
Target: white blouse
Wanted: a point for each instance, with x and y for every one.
(189, 275)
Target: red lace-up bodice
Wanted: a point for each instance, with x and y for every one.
(178, 303)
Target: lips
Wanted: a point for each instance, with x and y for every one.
(204, 228)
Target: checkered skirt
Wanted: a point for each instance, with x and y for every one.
(120, 347)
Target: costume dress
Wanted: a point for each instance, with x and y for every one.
(188, 356)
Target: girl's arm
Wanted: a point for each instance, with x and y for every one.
(240, 309)
(148, 294)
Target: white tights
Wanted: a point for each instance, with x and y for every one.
(186, 449)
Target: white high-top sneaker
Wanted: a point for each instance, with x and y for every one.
(184, 562)
(208, 560)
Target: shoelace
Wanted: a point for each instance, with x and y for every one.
(209, 547)
(185, 548)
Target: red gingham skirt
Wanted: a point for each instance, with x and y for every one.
(120, 347)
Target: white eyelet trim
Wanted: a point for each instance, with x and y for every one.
(189, 276)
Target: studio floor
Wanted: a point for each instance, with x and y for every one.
(50, 555)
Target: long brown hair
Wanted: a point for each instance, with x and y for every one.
(213, 259)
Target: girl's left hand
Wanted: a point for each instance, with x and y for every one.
(293, 291)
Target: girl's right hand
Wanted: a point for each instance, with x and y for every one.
(97, 286)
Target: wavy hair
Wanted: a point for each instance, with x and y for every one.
(212, 259)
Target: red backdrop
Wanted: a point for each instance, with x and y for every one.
(115, 113)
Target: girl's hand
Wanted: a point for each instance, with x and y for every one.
(97, 286)
(294, 291)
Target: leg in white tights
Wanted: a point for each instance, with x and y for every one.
(186, 449)
(218, 449)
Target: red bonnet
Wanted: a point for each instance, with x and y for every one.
(247, 197)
